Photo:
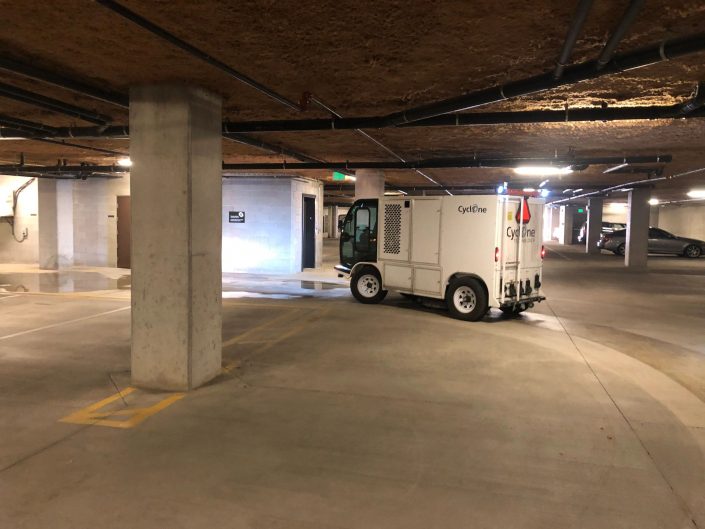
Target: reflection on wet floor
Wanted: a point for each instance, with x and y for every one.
(234, 285)
(68, 281)
(250, 285)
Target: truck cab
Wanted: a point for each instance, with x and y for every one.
(474, 252)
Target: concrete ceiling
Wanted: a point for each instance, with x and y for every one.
(367, 58)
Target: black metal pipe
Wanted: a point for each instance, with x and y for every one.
(64, 82)
(694, 108)
(192, 50)
(441, 163)
(65, 169)
(476, 118)
(31, 98)
(694, 104)
(666, 50)
(579, 18)
(80, 146)
(435, 163)
(618, 34)
(26, 126)
(277, 149)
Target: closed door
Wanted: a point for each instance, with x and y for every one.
(308, 239)
(123, 232)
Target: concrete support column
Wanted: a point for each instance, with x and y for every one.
(333, 232)
(594, 225)
(176, 188)
(369, 183)
(565, 232)
(55, 211)
(637, 245)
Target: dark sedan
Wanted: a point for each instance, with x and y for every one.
(660, 241)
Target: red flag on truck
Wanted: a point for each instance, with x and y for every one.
(523, 213)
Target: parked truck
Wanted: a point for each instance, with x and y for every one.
(474, 252)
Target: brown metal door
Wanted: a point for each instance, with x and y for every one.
(123, 232)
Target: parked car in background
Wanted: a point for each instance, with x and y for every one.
(607, 227)
(660, 241)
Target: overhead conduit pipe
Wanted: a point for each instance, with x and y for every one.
(663, 51)
(581, 14)
(48, 103)
(618, 34)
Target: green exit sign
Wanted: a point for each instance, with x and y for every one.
(581, 210)
(338, 176)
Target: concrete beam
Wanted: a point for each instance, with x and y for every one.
(369, 183)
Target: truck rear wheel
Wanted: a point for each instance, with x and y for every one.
(366, 285)
(466, 299)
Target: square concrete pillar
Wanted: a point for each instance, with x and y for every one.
(55, 212)
(176, 188)
(594, 225)
(333, 232)
(369, 183)
(565, 225)
(637, 245)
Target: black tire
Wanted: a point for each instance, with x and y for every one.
(466, 299)
(620, 250)
(692, 251)
(366, 285)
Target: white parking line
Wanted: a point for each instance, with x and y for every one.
(22, 333)
(8, 297)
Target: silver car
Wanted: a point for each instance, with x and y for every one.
(660, 241)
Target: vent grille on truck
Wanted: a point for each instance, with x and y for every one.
(392, 228)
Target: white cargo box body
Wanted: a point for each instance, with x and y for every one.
(425, 241)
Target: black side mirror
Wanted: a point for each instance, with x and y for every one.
(345, 237)
(341, 223)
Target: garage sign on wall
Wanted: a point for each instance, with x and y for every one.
(237, 217)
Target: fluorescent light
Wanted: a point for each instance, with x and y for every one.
(696, 193)
(124, 162)
(529, 190)
(500, 189)
(544, 193)
(543, 183)
(541, 170)
(653, 201)
(577, 190)
(567, 190)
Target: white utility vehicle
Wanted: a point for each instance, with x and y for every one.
(473, 251)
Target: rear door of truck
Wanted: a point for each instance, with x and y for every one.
(519, 249)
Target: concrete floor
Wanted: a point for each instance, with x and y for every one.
(588, 412)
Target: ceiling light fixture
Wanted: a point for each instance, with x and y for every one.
(529, 190)
(124, 162)
(653, 201)
(696, 193)
(541, 170)
(543, 183)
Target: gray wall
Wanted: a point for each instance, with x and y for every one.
(95, 220)
(269, 241)
(12, 251)
(684, 220)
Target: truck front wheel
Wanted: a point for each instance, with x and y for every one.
(366, 285)
(466, 299)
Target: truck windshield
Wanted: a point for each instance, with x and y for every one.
(358, 239)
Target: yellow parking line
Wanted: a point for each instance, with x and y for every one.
(92, 415)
